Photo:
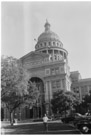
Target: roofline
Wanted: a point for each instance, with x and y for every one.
(74, 72)
(41, 54)
(85, 79)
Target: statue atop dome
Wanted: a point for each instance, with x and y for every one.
(47, 26)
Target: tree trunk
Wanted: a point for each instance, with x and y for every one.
(12, 118)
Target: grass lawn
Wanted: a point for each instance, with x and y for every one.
(53, 128)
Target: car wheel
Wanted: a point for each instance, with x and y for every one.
(84, 129)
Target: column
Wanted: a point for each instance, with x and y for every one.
(66, 58)
(46, 92)
(50, 97)
(38, 110)
(80, 93)
(47, 97)
(50, 90)
(87, 89)
(33, 112)
(61, 84)
(47, 51)
(63, 55)
(58, 56)
(53, 54)
(64, 84)
(41, 110)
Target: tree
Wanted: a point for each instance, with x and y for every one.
(15, 88)
(33, 94)
(63, 101)
(86, 102)
(87, 99)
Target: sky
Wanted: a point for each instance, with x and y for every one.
(22, 22)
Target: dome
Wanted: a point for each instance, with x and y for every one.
(48, 34)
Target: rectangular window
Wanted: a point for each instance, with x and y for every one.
(58, 84)
(45, 43)
(57, 70)
(53, 84)
(61, 69)
(90, 87)
(83, 90)
(53, 71)
(47, 72)
(63, 83)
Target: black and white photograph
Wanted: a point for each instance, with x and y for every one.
(45, 67)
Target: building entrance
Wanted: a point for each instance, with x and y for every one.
(2, 114)
(38, 109)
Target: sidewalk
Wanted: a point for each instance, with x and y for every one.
(23, 122)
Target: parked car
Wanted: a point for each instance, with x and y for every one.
(67, 119)
(84, 125)
(71, 118)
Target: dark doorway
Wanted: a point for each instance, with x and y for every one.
(2, 114)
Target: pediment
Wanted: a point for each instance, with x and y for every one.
(34, 57)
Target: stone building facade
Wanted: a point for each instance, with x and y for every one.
(80, 86)
(48, 67)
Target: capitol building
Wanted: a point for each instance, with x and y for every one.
(48, 67)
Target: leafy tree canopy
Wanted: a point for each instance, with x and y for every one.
(15, 88)
(87, 99)
(63, 101)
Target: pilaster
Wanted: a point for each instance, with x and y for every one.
(87, 89)
(48, 97)
(80, 93)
